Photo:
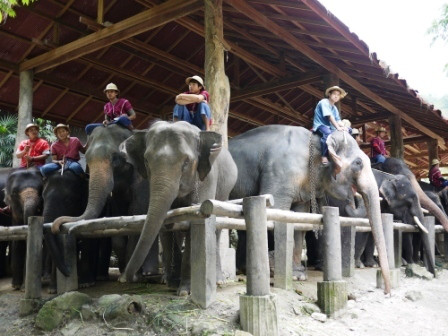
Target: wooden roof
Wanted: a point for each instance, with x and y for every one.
(278, 54)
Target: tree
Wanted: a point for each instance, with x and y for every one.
(7, 8)
(439, 28)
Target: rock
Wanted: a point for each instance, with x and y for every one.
(203, 328)
(319, 317)
(87, 312)
(414, 270)
(413, 295)
(309, 308)
(71, 329)
(66, 306)
(123, 308)
(242, 333)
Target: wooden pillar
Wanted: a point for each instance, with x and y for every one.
(331, 80)
(396, 137)
(100, 12)
(203, 261)
(433, 151)
(216, 81)
(33, 282)
(25, 108)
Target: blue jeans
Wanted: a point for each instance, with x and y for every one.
(378, 159)
(123, 121)
(324, 131)
(50, 168)
(181, 112)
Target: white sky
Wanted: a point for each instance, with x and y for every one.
(396, 31)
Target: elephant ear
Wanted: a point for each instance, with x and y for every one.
(134, 148)
(210, 145)
(332, 143)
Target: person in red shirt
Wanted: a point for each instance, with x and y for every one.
(116, 111)
(34, 150)
(65, 153)
(435, 175)
(378, 147)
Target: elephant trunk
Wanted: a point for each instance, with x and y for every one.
(31, 202)
(429, 205)
(163, 191)
(370, 194)
(101, 184)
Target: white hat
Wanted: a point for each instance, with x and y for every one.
(333, 88)
(29, 126)
(111, 86)
(61, 126)
(197, 79)
(434, 162)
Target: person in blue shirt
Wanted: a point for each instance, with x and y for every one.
(327, 119)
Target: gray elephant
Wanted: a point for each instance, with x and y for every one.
(184, 166)
(115, 188)
(285, 161)
(24, 196)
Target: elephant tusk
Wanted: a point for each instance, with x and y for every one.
(419, 224)
(357, 194)
(425, 211)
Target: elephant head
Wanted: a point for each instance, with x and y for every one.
(107, 166)
(177, 158)
(350, 168)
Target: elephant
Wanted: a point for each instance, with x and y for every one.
(183, 166)
(285, 161)
(115, 189)
(24, 195)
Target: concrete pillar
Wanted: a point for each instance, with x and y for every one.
(388, 230)
(284, 245)
(203, 261)
(25, 114)
(216, 80)
(398, 248)
(33, 282)
(429, 223)
(396, 137)
(258, 308)
(332, 292)
(348, 235)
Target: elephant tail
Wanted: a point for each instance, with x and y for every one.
(56, 253)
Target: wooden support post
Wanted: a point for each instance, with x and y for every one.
(258, 311)
(398, 246)
(396, 137)
(25, 114)
(388, 230)
(429, 223)
(215, 76)
(33, 282)
(70, 283)
(433, 151)
(100, 12)
(348, 235)
(284, 244)
(203, 261)
(332, 292)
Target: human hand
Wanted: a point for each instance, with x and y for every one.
(27, 148)
(28, 158)
(105, 122)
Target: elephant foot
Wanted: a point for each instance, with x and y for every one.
(370, 263)
(16, 286)
(122, 278)
(46, 278)
(184, 288)
(299, 273)
(86, 284)
(51, 290)
(359, 264)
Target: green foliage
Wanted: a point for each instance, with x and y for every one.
(8, 130)
(439, 28)
(7, 7)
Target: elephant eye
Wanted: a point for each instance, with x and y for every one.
(185, 164)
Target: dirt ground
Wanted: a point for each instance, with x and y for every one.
(417, 307)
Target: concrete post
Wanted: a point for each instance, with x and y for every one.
(203, 261)
(25, 114)
(258, 309)
(445, 245)
(388, 230)
(332, 292)
(33, 283)
(429, 223)
(284, 244)
(398, 247)
(70, 283)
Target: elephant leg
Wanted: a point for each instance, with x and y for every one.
(170, 259)
(119, 247)
(18, 253)
(3, 262)
(407, 247)
(360, 245)
(47, 264)
(241, 252)
(104, 253)
(298, 270)
(369, 260)
(88, 262)
(151, 264)
(313, 249)
(417, 248)
(52, 287)
(185, 276)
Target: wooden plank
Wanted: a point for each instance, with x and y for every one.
(285, 35)
(137, 24)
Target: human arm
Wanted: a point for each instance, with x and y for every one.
(337, 124)
(185, 98)
(54, 159)
(23, 148)
(131, 114)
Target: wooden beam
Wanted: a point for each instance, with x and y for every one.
(137, 24)
(300, 46)
(277, 85)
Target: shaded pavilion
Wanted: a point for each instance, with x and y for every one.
(279, 57)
